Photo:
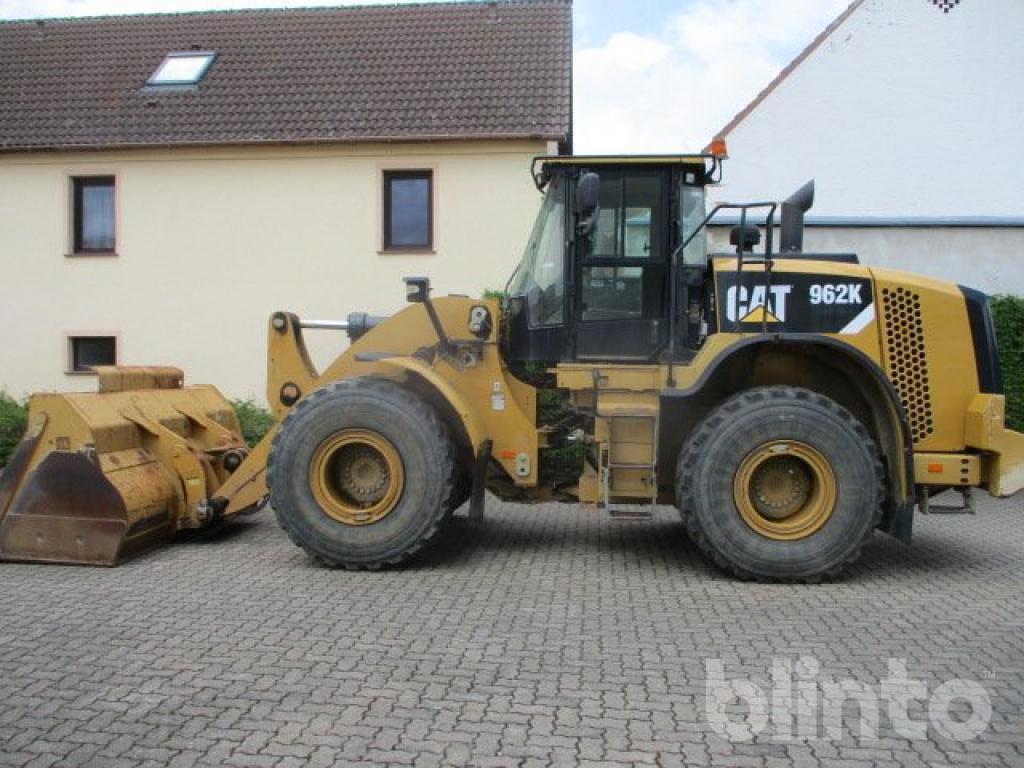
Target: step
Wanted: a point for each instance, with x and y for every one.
(631, 514)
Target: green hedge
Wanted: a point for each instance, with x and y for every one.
(13, 422)
(1008, 312)
(256, 420)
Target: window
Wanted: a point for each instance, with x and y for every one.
(93, 214)
(692, 213)
(629, 222)
(541, 275)
(612, 293)
(185, 68)
(408, 210)
(84, 352)
(628, 233)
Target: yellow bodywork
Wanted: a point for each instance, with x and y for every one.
(101, 475)
(490, 403)
(958, 435)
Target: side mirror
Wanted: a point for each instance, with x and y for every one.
(588, 194)
(417, 290)
(588, 202)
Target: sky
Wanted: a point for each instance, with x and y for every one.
(649, 75)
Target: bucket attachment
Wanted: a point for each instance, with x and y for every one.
(101, 476)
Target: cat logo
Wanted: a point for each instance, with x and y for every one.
(749, 305)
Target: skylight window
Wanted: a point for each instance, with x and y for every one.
(186, 68)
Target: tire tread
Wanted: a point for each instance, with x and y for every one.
(688, 460)
(424, 413)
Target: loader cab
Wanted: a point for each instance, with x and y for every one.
(594, 282)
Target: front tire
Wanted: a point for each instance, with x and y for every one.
(360, 474)
(780, 484)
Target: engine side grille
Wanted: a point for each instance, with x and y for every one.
(907, 361)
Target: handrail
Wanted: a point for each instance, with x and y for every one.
(769, 224)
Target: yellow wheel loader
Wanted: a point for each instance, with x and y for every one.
(788, 403)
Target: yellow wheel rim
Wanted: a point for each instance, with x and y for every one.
(356, 477)
(785, 490)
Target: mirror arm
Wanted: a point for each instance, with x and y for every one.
(444, 343)
(417, 291)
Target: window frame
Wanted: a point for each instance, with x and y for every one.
(78, 183)
(656, 261)
(71, 338)
(397, 174)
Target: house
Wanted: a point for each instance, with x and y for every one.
(907, 113)
(168, 181)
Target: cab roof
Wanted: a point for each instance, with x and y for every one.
(624, 159)
(708, 164)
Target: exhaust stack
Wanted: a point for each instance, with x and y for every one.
(793, 210)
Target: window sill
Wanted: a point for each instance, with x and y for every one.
(80, 373)
(406, 252)
(91, 254)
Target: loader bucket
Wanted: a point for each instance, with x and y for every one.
(101, 476)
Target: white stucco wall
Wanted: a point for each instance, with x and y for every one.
(903, 111)
(210, 242)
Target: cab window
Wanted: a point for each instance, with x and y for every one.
(693, 211)
(628, 224)
(629, 231)
(541, 274)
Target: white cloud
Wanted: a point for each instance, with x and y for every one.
(671, 92)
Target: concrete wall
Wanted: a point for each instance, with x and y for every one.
(989, 259)
(902, 111)
(211, 241)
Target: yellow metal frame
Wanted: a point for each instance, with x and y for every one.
(489, 403)
(103, 474)
(161, 445)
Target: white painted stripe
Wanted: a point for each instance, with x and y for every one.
(861, 321)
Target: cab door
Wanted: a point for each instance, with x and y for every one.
(621, 270)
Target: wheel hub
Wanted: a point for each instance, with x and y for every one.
(364, 474)
(780, 489)
(356, 477)
(785, 490)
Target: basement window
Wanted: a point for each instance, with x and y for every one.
(182, 68)
(85, 352)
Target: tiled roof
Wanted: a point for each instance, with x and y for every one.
(405, 72)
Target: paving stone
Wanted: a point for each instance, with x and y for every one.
(548, 636)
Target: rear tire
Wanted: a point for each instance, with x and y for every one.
(780, 484)
(360, 474)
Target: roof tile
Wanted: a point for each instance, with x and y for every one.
(428, 71)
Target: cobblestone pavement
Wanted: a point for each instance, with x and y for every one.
(550, 636)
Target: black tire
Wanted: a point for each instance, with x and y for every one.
(419, 438)
(721, 445)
